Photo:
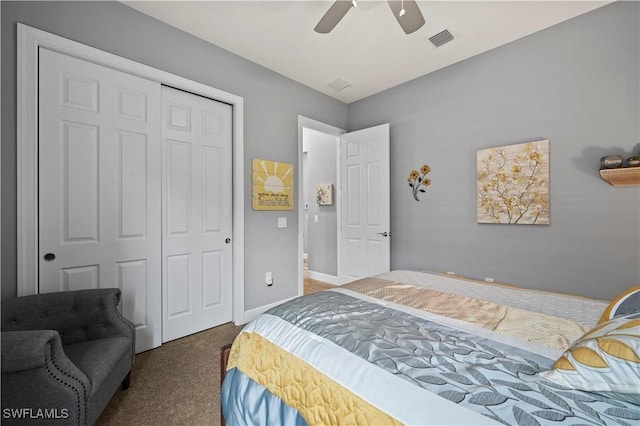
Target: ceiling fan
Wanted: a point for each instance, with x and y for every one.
(406, 12)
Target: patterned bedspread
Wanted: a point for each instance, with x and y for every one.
(381, 352)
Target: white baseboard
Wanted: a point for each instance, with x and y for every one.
(252, 314)
(329, 279)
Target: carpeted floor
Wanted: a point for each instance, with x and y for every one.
(175, 384)
(179, 382)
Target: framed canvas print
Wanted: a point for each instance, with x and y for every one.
(272, 185)
(324, 194)
(513, 184)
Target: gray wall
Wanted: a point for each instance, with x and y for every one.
(322, 236)
(576, 84)
(272, 104)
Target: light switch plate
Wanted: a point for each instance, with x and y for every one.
(282, 222)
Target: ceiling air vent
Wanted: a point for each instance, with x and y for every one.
(441, 38)
(338, 84)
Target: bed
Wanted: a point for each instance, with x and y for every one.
(410, 347)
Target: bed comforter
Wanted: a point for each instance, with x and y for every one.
(414, 348)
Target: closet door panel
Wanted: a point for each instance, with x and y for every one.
(197, 221)
(99, 186)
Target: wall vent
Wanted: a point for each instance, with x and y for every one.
(338, 84)
(441, 38)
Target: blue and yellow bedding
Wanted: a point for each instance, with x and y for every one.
(384, 351)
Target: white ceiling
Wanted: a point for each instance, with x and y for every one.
(367, 48)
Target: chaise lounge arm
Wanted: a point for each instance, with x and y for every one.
(63, 356)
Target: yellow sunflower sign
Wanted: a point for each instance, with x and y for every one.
(272, 185)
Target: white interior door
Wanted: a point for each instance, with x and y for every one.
(197, 221)
(365, 203)
(100, 186)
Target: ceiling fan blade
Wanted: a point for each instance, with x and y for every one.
(412, 19)
(335, 13)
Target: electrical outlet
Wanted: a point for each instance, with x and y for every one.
(268, 279)
(489, 280)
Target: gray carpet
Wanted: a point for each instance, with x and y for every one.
(175, 384)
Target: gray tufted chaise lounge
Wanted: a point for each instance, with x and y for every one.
(64, 355)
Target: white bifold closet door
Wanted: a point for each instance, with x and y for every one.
(197, 213)
(135, 192)
(99, 183)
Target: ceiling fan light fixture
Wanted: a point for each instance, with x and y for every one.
(410, 23)
(408, 15)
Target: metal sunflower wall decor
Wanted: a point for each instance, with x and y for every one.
(418, 181)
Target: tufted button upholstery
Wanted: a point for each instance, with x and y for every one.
(68, 349)
(85, 314)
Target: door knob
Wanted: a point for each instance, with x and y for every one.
(228, 240)
(49, 257)
(384, 234)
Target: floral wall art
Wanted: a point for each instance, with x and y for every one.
(513, 184)
(418, 181)
(324, 193)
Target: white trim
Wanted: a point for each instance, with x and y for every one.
(29, 41)
(326, 278)
(309, 123)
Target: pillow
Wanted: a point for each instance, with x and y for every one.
(628, 302)
(605, 359)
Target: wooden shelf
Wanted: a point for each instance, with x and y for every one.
(624, 176)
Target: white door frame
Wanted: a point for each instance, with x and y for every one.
(309, 123)
(29, 41)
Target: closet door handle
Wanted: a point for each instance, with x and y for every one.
(384, 234)
(49, 257)
(228, 240)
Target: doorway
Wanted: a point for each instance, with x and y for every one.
(362, 202)
(320, 201)
(319, 226)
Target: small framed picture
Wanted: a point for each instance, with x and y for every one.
(324, 194)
